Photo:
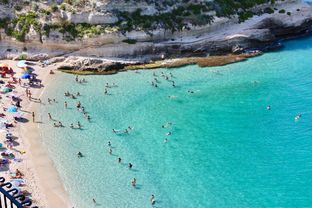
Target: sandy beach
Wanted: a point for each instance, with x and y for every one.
(41, 177)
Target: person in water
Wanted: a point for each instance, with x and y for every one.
(152, 199)
(79, 125)
(119, 160)
(79, 154)
(71, 125)
(268, 107)
(65, 104)
(109, 144)
(133, 182)
(130, 165)
(110, 151)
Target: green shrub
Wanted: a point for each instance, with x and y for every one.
(130, 41)
(63, 7)
(268, 10)
(23, 56)
(288, 13)
(282, 11)
(54, 7)
(245, 16)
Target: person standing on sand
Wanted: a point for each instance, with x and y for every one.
(33, 116)
(50, 117)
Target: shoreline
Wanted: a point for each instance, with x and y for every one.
(41, 175)
(47, 176)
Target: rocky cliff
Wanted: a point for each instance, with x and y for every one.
(146, 29)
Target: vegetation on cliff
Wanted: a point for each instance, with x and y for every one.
(43, 17)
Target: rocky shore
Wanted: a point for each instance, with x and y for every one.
(224, 41)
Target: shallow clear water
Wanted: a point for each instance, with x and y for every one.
(226, 148)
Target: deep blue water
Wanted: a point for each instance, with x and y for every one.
(226, 148)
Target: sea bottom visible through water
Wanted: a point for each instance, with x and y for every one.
(226, 148)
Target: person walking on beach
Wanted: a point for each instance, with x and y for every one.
(33, 116)
(50, 117)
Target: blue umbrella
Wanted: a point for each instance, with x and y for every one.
(12, 109)
(25, 76)
(6, 90)
(22, 64)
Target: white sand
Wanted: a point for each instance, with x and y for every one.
(41, 177)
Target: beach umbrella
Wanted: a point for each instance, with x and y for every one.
(25, 76)
(2, 125)
(6, 90)
(22, 64)
(4, 65)
(18, 115)
(12, 109)
(17, 182)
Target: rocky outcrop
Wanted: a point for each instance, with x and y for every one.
(96, 65)
(91, 18)
(259, 32)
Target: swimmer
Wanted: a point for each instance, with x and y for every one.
(60, 124)
(110, 151)
(109, 144)
(79, 125)
(166, 140)
(71, 126)
(126, 131)
(152, 199)
(119, 160)
(114, 131)
(65, 104)
(88, 118)
(168, 134)
(78, 93)
(297, 117)
(79, 154)
(190, 91)
(268, 107)
(133, 182)
(130, 165)
(76, 79)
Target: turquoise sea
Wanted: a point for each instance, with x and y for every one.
(226, 149)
